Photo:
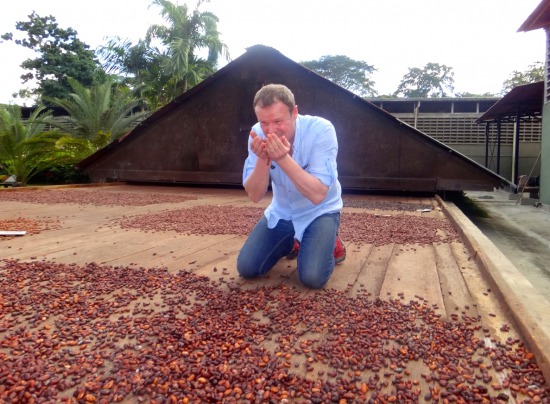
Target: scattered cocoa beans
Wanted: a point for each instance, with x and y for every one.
(91, 196)
(368, 228)
(198, 220)
(359, 228)
(91, 333)
(28, 225)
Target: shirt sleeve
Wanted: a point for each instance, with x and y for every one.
(324, 151)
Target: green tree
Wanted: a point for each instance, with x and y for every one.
(139, 66)
(353, 75)
(167, 70)
(434, 80)
(185, 36)
(60, 55)
(532, 74)
(96, 116)
(474, 95)
(26, 146)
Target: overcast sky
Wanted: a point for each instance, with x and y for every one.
(477, 38)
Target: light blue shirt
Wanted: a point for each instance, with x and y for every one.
(315, 149)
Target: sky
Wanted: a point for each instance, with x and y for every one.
(477, 38)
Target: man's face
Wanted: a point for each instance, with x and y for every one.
(277, 119)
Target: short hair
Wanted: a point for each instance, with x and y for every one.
(271, 93)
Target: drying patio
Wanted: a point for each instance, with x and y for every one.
(130, 293)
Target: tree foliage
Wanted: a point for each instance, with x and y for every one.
(532, 74)
(166, 71)
(353, 75)
(26, 146)
(475, 95)
(434, 80)
(60, 54)
(96, 116)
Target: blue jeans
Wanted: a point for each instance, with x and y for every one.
(265, 247)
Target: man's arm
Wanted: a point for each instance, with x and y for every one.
(257, 182)
(308, 185)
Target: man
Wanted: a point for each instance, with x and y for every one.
(297, 154)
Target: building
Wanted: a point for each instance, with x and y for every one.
(540, 18)
(456, 122)
(201, 136)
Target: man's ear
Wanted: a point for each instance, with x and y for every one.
(295, 112)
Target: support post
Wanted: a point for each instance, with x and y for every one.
(487, 145)
(499, 129)
(516, 147)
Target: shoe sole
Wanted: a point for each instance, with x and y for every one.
(338, 261)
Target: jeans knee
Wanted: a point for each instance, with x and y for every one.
(244, 268)
(313, 280)
(248, 267)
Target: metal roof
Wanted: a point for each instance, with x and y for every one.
(527, 100)
(539, 18)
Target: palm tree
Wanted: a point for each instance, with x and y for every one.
(96, 116)
(185, 36)
(161, 73)
(138, 66)
(26, 146)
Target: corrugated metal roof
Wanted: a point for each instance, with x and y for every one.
(527, 100)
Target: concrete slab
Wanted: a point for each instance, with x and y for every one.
(512, 247)
(521, 233)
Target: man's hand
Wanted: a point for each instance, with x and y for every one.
(276, 147)
(258, 181)
(258, 146)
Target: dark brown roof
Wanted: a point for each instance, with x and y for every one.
(380, 152)
(527, 100)
(539, 18)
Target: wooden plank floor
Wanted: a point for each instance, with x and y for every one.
(439, 278)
